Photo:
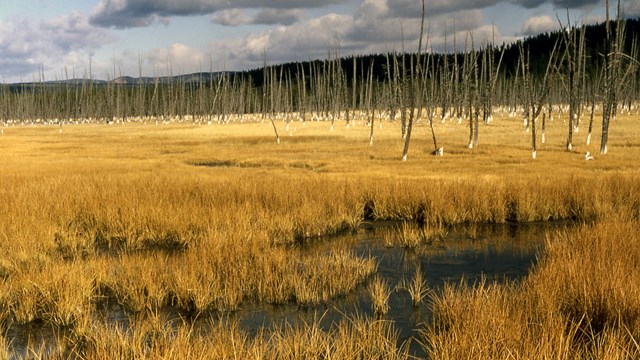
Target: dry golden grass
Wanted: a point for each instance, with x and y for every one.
(580, 302)
(379, 292)
(154, 337)
(207, 218)
(417, 287)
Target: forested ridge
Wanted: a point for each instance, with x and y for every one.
(541, 45)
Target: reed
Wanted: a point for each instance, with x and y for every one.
(379, 292)
(580, 302)
(5, 351)
(159, 338)
(417, 287)
(409, 235)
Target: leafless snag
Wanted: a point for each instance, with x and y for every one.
(414, 90)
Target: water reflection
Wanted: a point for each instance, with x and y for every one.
(497, 252)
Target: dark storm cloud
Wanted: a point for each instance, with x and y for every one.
(137, 13)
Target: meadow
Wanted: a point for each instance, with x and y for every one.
(207, 219)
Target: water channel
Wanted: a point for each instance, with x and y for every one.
(496, 252)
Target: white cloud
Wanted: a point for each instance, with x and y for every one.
(267, 16)
(176, 59)
(631, 8)
(301, 41)
(539, 24)
(290, 30)
(371, 30)
(28, 47)
(231, 17)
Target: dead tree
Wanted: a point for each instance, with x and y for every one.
(537, 92)
(414, 90)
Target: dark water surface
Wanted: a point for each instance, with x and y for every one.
(495, 252)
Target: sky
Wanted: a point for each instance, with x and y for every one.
(104, 39)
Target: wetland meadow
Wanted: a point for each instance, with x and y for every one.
(186, 240)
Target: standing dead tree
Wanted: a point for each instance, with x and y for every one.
(267, 90)
(537, 91)
(614, 79)
(415, 88)
(370, 101)
(431, 99)
(574, 54)
(473, 90)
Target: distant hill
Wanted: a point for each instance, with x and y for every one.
(198, 77)
(129, 80)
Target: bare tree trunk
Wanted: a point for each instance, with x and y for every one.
(414, 90)
(608, 84)
(474, 106)
(268, 78)
(544, 124)
(370, 103)
(593, 110)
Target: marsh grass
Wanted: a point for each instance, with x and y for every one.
(156, 337)
(411, 235)
(379, 292)
(5, 349)
(123, 212)
(580, 302)
(417, 287)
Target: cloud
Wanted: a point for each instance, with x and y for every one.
(231, 17)
(73, 32)
(539, 24)
(139, 13)
(372, 28)
(28, 47)
(268, 16)
(177, 59)
(294, 31)
(571, 4)
(300, 41)
(631, 8)
(273, 16)
(412, 8)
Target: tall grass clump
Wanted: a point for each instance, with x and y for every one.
(379, 292)
(411, 235)
(581, 301)
(591, 277)
(352, 338)
(417, 287)
(60, 295)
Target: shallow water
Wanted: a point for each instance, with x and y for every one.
(496, 252)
